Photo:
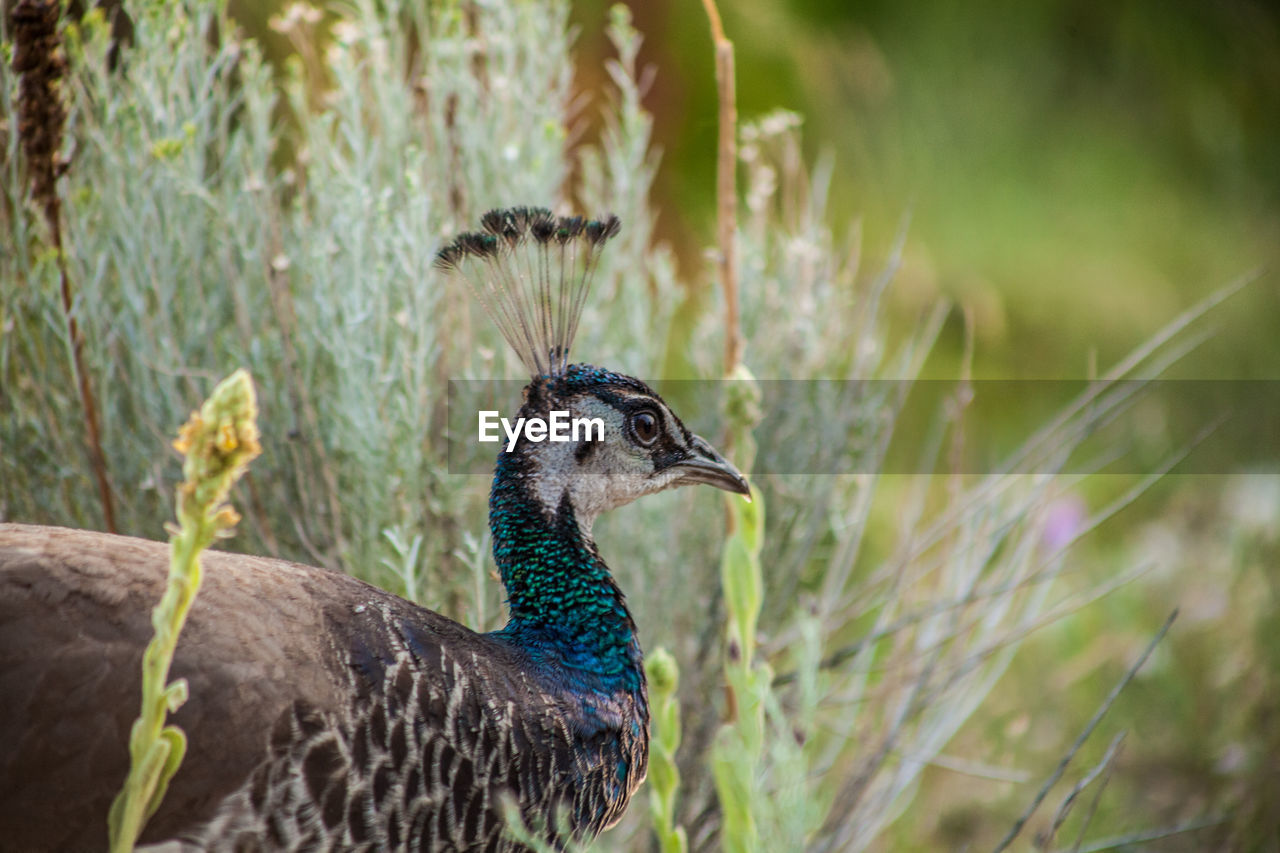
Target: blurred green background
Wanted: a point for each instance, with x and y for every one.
(1076, 173)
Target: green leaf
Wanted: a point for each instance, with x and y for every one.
(740, 574)
(175, 748)
(175, 695)
(750, 519)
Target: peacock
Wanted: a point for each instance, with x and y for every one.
(327, 714)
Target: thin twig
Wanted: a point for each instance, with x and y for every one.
(976, 769)
(1064, 808)
(1087, 821)
(93, 433)
(726, 187)
(42, 115)
(1151, 835)
(1084, 735)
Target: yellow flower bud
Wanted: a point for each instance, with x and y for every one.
(227, 440)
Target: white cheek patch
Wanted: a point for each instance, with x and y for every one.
(610, 475)
(592, 493)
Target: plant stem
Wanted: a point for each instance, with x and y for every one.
(726, 187)
(219, 442)
(40, 60)
(93, 434)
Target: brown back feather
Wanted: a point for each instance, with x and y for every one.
(74, 618)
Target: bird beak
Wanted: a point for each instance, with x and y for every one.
(705, 465)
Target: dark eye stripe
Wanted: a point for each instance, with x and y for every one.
(629, 404)
(673, 437)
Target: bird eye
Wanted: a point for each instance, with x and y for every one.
(645, 427)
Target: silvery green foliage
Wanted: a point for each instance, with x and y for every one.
(193, 251)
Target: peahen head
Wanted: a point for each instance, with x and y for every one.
(629, 444)
(531, 271)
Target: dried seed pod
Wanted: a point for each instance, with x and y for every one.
(38, 58)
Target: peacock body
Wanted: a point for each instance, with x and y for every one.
(326, 714)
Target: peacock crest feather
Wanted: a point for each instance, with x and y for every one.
(531, 271)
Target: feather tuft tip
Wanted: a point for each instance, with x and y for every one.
(531, 272)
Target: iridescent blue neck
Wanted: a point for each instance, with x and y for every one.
(566, 610)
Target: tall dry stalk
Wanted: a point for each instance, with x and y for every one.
(39, 60)
(726, 187)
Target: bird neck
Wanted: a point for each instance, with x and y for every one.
(565, 609)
